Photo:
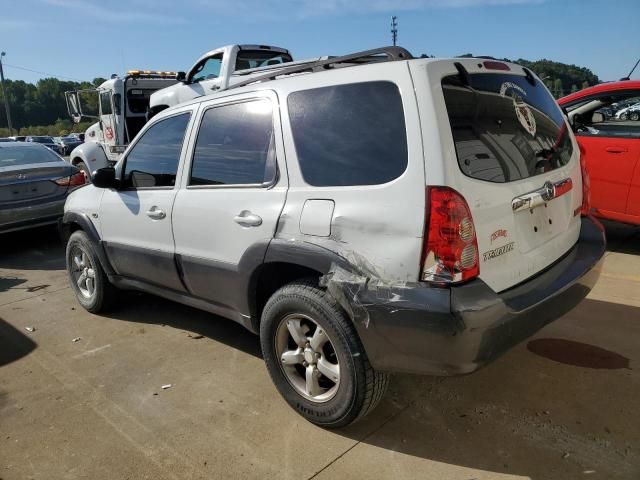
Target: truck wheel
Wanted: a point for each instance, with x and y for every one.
(85, 170)
(315, 357)
(87, 278)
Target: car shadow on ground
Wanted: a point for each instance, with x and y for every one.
(13, 344)
(149, 309)
(34, 249)
(622, 238)
(495, 420)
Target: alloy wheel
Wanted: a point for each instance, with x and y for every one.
(83, 272)
(307, 357)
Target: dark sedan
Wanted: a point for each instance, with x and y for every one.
(69, 143)
(47, 142)
(34, 184)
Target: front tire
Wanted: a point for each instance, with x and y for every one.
(86, 276)
(315, 357)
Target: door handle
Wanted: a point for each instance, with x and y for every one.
(616, 149)
(156, 213)
(248, 219)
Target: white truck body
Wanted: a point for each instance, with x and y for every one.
(218, 69)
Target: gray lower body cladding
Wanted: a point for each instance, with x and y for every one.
(449, 331)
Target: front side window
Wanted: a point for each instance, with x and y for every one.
(208, 70)
(350, 134)
(615, 115)
(153, 160)
(504, 128)
(105, 103)
(235, 145)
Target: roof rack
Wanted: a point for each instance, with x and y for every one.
(383, 54)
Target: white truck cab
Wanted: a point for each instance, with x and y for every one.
(120, 107)
(213, 71)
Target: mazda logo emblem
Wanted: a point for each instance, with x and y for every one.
(21, 176)
(548, 191)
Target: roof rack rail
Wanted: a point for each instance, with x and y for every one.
(366, 56)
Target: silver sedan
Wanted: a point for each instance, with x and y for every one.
(34, 184)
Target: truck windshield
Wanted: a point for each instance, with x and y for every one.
(504, 128)
(260, 58)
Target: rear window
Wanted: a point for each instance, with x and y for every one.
(504, 128)
(26, 155)
(349, 134)
(260, 58)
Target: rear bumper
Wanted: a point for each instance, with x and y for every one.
(452, 331)
(31, 215)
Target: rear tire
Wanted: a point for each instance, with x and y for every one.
(635, 116)
(86, 275)
(306, 339)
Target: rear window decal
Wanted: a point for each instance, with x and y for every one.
(523, 112)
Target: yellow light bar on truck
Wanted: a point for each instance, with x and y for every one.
(143, 73)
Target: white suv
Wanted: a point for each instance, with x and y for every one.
(364, 216)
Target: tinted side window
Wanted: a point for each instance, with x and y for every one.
(153, 160)
(235, 145)
(349, 134)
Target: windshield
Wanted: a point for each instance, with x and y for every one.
(24, 155)
(42, 139)
(260, 58)
(504, 128)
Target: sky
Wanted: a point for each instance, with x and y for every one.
(84, 39)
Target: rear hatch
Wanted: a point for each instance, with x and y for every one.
(509, 152)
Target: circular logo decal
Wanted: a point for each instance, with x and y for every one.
(108, 132)
(523, 112)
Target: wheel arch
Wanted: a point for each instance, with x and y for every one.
(285, 262)
(74, 221)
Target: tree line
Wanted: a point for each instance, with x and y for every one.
(41, 109)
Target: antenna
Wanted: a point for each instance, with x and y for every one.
(394, 29)
(634, 67)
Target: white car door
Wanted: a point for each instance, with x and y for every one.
(203, 79)
(136, 218)
(234, 188)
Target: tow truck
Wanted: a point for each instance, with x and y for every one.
(125, 104)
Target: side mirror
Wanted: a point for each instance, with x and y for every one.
(105, 178)
(597, 117)
(181, 77)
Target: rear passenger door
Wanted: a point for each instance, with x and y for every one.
(233, 191)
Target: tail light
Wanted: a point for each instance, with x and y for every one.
(586, 185)
(74, 180)
(450, 253)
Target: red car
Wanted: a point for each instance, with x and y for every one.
(606, 121)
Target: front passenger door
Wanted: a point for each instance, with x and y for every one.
(136, 219)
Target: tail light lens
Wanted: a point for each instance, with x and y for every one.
(586, 185)
(74, 180)
(450, 253)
